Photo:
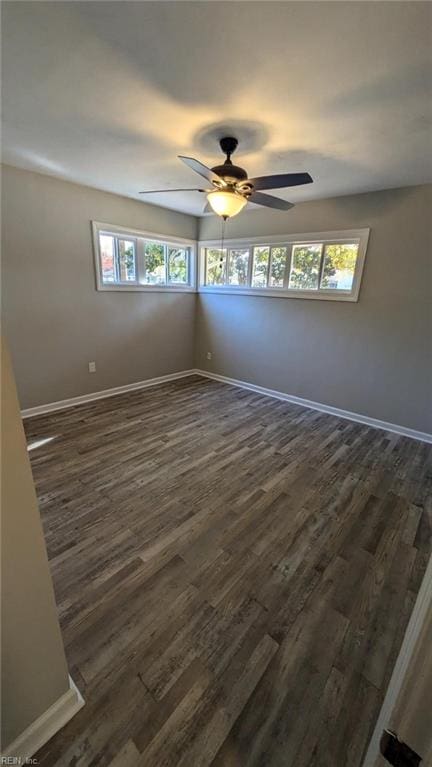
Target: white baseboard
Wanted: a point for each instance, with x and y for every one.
(83, 398)
(358, 417)
(43, 728)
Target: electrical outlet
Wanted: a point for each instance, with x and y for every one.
(92, 367)
(209, 355)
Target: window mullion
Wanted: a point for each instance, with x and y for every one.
(226, 280)
(145, 260)
(116, 260)
(136, 281)
(140, 260)
(250, 266)
(204, 262)
(269, 267)
(321, 269)
(289, 250)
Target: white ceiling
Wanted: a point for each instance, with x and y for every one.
(109, 93)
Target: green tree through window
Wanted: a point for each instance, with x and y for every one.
(260, 267)
(154, 257)
(339, 266)
(216, 266)
(305, 267)
(238, 267)
(126, 260)
(177, 265)
(278, 267)
(322, 266)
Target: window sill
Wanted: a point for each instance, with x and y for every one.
(281, 293)
(146, 288)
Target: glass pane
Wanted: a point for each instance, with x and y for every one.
(305, 266)
(339, 266)
(177, 265)
(260, 267)
(154, 260)
(238, 263)
(215, 274)
(126, 261)
(278, 267)
(107, 257)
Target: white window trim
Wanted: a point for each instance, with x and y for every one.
(347, 235)
(136, 234)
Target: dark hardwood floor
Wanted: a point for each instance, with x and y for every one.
(234, 575)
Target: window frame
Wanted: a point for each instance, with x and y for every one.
(140, 237)
(346, 236)
(117, 258)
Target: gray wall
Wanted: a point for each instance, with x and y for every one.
(372, 357)
(54, 319)
(34, 671)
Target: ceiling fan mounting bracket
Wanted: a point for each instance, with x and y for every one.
(228, 144)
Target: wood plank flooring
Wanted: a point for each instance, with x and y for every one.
(234, 575)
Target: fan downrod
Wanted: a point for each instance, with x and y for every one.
(232, 174)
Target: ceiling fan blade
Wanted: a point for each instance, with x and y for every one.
(198, 167)
(157, 191)
(207, 208)
(269, 201)
(281, 180)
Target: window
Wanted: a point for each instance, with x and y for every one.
(261, 258)
(278, 260)
(326, 266)
(238, 266)
(154, 263)
(131, 260)
(126, 260)
(178, 263)
(215, 266)
(107, 257)
(305, 267)
(118, 259)
(339, 267)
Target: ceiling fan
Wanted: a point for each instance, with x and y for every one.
(231, 188)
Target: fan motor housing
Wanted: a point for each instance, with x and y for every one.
(230, 172)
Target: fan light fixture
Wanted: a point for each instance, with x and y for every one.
(226, 204)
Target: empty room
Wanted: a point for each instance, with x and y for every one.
(216, 384)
